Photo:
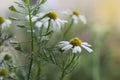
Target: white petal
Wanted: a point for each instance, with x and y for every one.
(52, 24)
(40, 15)
(58, 24)
(45, 19)
(34, 18)
(86, 44)
(63, 44)
(8, 22)
(62, 21)
(75, 19)
(67, 12)
(5, 25)
(74, 50)
(38, 24)
(27, 17)
(46, 24)
(87, 48)
(79, 49)
(83, 19)
(67, 47)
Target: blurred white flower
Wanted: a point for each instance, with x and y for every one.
(75, 45)
(48, 19)
(76, 16)
(4, 23)
(44, 38)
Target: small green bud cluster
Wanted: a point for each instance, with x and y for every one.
(7, 57)
(4, 72)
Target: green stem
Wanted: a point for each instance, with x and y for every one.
(63, 74)
(1, 62)
(48, 27)
(32, 40)
(68, 29)
(41, 31)
(72, 60)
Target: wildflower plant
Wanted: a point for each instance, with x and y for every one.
(40, 27)
(76, 16)
(4, 33)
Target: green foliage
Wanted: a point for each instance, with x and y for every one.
(25, 1)
(42, 1)
(7, 57)
(12, 18)
(37, 49)
(12, 8)
(21, 26)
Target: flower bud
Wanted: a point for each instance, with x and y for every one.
(7, 57)
(2, 19)
(4, 72)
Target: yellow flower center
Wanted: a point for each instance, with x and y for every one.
(2, 19)
(53, 15)
(3, 72)
(76, 12)
(76, 42)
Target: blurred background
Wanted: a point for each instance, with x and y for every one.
(102, 31)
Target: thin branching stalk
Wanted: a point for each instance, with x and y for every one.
(68, 28)
(32, 39)
(1, 62)
(65, 67)
(62, 74)
(48, 27)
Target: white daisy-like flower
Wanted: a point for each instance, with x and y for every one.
(76, 16)
(75, 45)
(51, 19)
(4, 23)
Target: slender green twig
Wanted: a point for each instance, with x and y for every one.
(68, 65)
(1, 62)
(68, 28)
(41, 31)
(48, 27)
(55, 60)
(32, 39)
(62, 74)
(52, 57)
(65, 67)
(15, 42)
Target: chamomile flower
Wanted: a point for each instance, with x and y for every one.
(76, 16)
(75, 44)
(50, 18)
(4, 23)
